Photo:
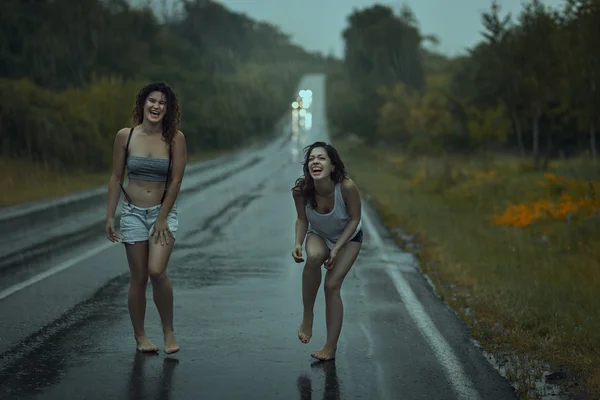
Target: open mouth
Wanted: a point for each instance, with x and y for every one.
(316, 170)
(154, 114)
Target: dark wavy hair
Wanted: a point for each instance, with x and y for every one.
(305, 185)
(170, 122)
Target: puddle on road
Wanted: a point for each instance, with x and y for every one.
(200, 260)
(42, 359)
(195, 270)
(212, 225)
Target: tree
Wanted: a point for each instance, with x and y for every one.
(582, 28)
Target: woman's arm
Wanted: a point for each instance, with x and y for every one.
(301, 220)
(352, 199)
(117, 172)
(179, 160)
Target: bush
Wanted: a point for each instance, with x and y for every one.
(43, 126)
(424, 146)
(73, 129)
(76, 128)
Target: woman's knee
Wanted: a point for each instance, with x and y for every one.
(332, 287)
(315, 257)
(316, 250)
(140, 279)
(158, 277)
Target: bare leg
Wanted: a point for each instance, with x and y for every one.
(162, 290)
(334, 308)
(316, 254)
(137, 257)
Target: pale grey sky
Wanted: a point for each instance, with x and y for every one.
(318, 24)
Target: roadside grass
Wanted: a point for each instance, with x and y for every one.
(23, 181)
(514, 252)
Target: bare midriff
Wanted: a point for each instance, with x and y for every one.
(145, 193)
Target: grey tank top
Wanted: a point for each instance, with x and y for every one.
(145, 168)
(148, 169)
(330, 226)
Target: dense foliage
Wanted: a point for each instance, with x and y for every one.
(70, 69)
(530, 86)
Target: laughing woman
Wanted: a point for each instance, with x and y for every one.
(154, 153)
(329, 216)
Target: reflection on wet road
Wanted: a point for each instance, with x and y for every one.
(137, 381)
(331, 386)
(237, 308)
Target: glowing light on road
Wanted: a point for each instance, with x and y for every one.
(295, 105)
(308, 121)
(304, 99)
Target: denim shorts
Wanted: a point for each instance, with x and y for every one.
(137, 223)
(358, 237)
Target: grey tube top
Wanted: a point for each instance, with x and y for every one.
(147, 169)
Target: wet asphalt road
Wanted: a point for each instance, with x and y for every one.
(237, 309)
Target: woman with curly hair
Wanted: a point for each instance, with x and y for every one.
(154, 153)
(328, 205)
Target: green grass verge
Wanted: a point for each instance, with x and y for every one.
(528, 293)
(22, 181)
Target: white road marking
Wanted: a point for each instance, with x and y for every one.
(54, 270)
(461, 384)
(69, 263)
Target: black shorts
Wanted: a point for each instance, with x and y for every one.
(358, 237)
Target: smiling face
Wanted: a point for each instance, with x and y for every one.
(319, 164)
(155, 107)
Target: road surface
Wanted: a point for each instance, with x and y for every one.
(66, 333)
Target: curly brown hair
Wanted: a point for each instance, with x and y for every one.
(305, 185)
(170, 122)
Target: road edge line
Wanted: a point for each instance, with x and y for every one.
(461, 384)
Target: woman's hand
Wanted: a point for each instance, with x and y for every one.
(161, 231)
(110, 230)
(297, 254)
(329, 263)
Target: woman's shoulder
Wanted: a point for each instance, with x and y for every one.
(122, 135)
(347, 184)
(124, 131)
(348, 187)
(178, 139)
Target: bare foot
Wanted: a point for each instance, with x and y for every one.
(170, 343)
(145, 345)
(305, 330)
(325, 354)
